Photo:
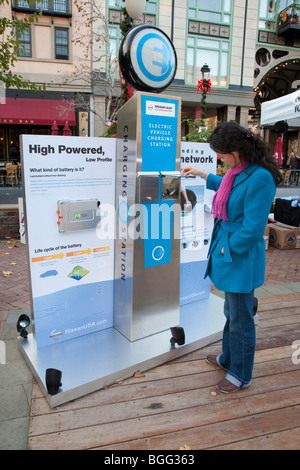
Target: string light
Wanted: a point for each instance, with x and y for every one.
(274, 70)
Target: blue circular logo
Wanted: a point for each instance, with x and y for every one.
(155, 57)
(148, 59)
(158, 253)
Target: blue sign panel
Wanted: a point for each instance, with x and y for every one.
(159, 133)
(159, 126)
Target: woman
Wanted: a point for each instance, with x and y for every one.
(236, 258)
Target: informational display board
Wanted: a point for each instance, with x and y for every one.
(196, 222)
(69, 202)
(69, 189)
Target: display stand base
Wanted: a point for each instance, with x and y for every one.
(94, 361)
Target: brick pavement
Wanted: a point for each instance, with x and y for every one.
(283, 267)
(14, 287)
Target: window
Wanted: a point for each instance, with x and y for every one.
(115, 36)
(24, 48)
(218, 11)
(268, 11)
(60, 6)
(116, 3)
(151, 7)
(208, 41)
(22, 3)
(212, 52)
(53, 7)
(61, 43)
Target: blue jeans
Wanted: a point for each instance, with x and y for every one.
(239, 338)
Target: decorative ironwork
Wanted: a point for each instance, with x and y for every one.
(50, 7)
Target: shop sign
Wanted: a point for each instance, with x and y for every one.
(16, 121)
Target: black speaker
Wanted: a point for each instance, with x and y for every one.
(178, 336)
(53, 381)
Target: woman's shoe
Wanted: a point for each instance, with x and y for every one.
(212, 360)
(227, 387)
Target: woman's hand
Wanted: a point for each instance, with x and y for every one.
(190, 170)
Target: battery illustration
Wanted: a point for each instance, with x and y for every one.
(78, 215)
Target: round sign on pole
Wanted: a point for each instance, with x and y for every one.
(148, 59)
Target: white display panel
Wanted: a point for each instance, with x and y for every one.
(196, 222)
(69, 185)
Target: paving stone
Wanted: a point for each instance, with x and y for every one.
(14, 434)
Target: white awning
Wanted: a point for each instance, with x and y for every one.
(285, 108)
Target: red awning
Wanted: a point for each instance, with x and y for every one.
(37, 112)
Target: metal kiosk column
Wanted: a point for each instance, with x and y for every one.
(147, 255)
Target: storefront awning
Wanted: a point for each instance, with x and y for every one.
(37, 112)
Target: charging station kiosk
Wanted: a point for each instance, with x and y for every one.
(147, 257)
(146, 254)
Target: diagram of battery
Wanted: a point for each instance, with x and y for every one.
(77, 216)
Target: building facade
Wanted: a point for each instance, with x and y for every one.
(222, 34)
(46, 56)
(73, 49)
(277, 62)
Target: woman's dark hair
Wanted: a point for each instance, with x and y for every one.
(230, 137)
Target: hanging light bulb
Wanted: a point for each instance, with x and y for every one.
(135, 8)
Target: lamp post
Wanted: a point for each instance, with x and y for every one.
(205, 86)
(205, 70)
(135, 8)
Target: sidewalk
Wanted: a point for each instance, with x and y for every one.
(282, 279)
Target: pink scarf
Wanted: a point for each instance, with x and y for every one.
(220, 198)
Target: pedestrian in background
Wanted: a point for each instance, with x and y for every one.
(294, 165)
(236, 257)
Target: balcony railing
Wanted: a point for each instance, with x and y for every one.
(48, 7)
(289, 20)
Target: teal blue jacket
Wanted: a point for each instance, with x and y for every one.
(242, 267)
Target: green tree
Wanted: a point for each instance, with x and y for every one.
(10, 31)
(197, 130)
